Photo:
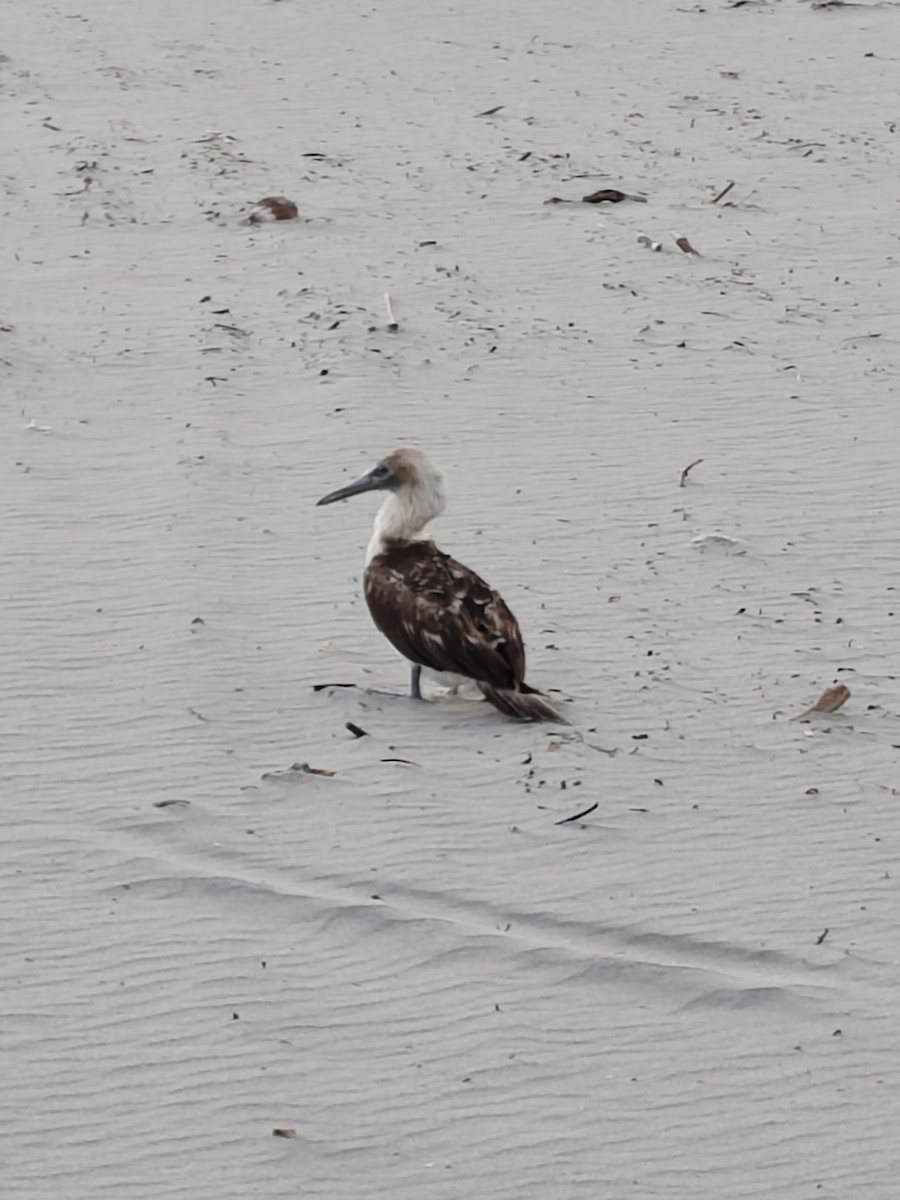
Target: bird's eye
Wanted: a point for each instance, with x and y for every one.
(380, 471)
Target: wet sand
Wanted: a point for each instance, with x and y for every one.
(442, 991)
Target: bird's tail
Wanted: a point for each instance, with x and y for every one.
(523, 702)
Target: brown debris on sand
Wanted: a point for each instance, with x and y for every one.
(830, 701)
(611, 196)
(603, 196)
(684, 245)
(273, 208)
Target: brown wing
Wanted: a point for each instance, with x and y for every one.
(440, 614)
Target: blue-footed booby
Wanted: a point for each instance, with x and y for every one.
(436, 612)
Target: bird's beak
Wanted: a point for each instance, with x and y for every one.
(365, 483)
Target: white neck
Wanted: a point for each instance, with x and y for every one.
(404, 515)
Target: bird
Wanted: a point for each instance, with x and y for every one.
(436, 612)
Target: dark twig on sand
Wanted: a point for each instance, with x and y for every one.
(687, 470)
(578, 816)
(724, 192)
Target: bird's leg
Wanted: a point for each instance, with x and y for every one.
(415, 690)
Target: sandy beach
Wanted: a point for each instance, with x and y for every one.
(402, 959)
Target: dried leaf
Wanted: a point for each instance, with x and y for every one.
(830, 701)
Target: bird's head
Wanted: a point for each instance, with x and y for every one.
(407, 472)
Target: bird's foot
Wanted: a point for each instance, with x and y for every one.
(415, 677)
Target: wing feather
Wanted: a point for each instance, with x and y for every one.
(438, 613)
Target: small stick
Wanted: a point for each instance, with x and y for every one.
(577, 817)
(724, 192)
(687, 470)
(393, 324)
(683, 244)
